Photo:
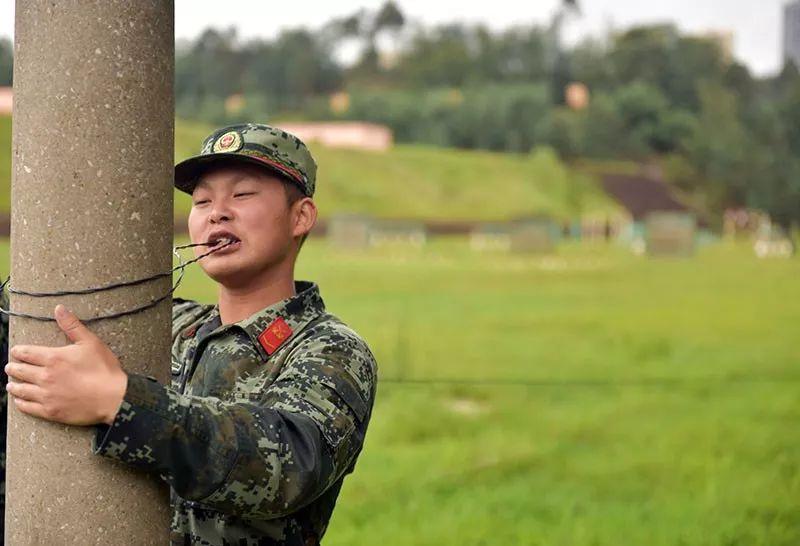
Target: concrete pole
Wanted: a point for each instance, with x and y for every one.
(91, 205)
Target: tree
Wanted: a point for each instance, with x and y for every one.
(563, 130)
(458, 54)
(660, 56)
(775, 159)
(281, 74)
(438, 57)
(774, 172)
(719, 146)
(604, 134)
(366, 27)
(644, 54)
(692, 60)
(6, 62)
(590, 63)
(738, 79)
(389, 17)
(193, 73)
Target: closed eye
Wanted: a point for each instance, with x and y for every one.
(201, 202)
(242, 194)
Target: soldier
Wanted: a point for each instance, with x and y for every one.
(270, 395)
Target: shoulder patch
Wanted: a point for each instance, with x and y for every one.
(274, 335)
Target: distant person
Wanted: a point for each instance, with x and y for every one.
(270, 395)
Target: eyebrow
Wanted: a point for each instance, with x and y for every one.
(202, 181)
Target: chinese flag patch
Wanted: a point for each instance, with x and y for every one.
(274, 334)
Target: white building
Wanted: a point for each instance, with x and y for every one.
(791, 32)
(343, 134)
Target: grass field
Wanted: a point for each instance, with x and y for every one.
(652, 402)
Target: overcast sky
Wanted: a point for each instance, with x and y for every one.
(757, 24)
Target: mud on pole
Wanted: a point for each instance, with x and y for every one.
(91, 205)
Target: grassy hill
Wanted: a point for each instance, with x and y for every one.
(414, 181)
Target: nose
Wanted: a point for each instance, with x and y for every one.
(220, 212)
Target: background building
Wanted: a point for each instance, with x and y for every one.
(791, 32)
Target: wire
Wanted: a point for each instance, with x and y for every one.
(587, 383)
(180, 267)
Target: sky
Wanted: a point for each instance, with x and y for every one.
(756, 24)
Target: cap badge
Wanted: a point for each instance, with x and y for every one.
(229, 142)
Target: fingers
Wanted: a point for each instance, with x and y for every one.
(25, 391)
(33, 354)
(25, 372)
(71, 325)
(31, 408)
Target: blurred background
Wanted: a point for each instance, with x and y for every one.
(568, 230)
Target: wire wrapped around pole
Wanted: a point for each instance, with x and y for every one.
(180, 267)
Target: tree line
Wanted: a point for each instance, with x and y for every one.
(726, 138)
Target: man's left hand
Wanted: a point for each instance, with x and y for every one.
(78, 384)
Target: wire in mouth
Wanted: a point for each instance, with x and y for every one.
(213, 242)
(219, 243)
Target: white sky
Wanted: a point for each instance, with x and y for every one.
(757, 24)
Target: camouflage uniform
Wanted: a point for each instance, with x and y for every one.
(263, 420)
(260, 426)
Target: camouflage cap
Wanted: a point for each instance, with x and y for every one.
(258, 144)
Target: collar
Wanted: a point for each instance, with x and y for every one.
(275, 325)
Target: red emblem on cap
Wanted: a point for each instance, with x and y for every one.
(226, 141)
(229, 142)
(274, 335)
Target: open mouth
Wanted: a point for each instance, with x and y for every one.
(224, 243)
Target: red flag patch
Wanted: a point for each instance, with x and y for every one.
(274, 335)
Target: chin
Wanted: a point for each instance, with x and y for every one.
(226, 273)
(234, 275)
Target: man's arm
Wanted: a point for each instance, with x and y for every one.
(256, 460)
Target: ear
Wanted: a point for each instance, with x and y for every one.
(304, 216)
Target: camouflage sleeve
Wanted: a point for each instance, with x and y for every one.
(182, 307)
(260, 459)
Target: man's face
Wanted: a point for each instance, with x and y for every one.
(244, 203)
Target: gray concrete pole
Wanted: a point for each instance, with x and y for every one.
(91, 205)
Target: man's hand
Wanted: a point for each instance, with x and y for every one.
(78, 384)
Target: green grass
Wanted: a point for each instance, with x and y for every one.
(414, 182)
(5, 164)
(712, 459)
(664, 408)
